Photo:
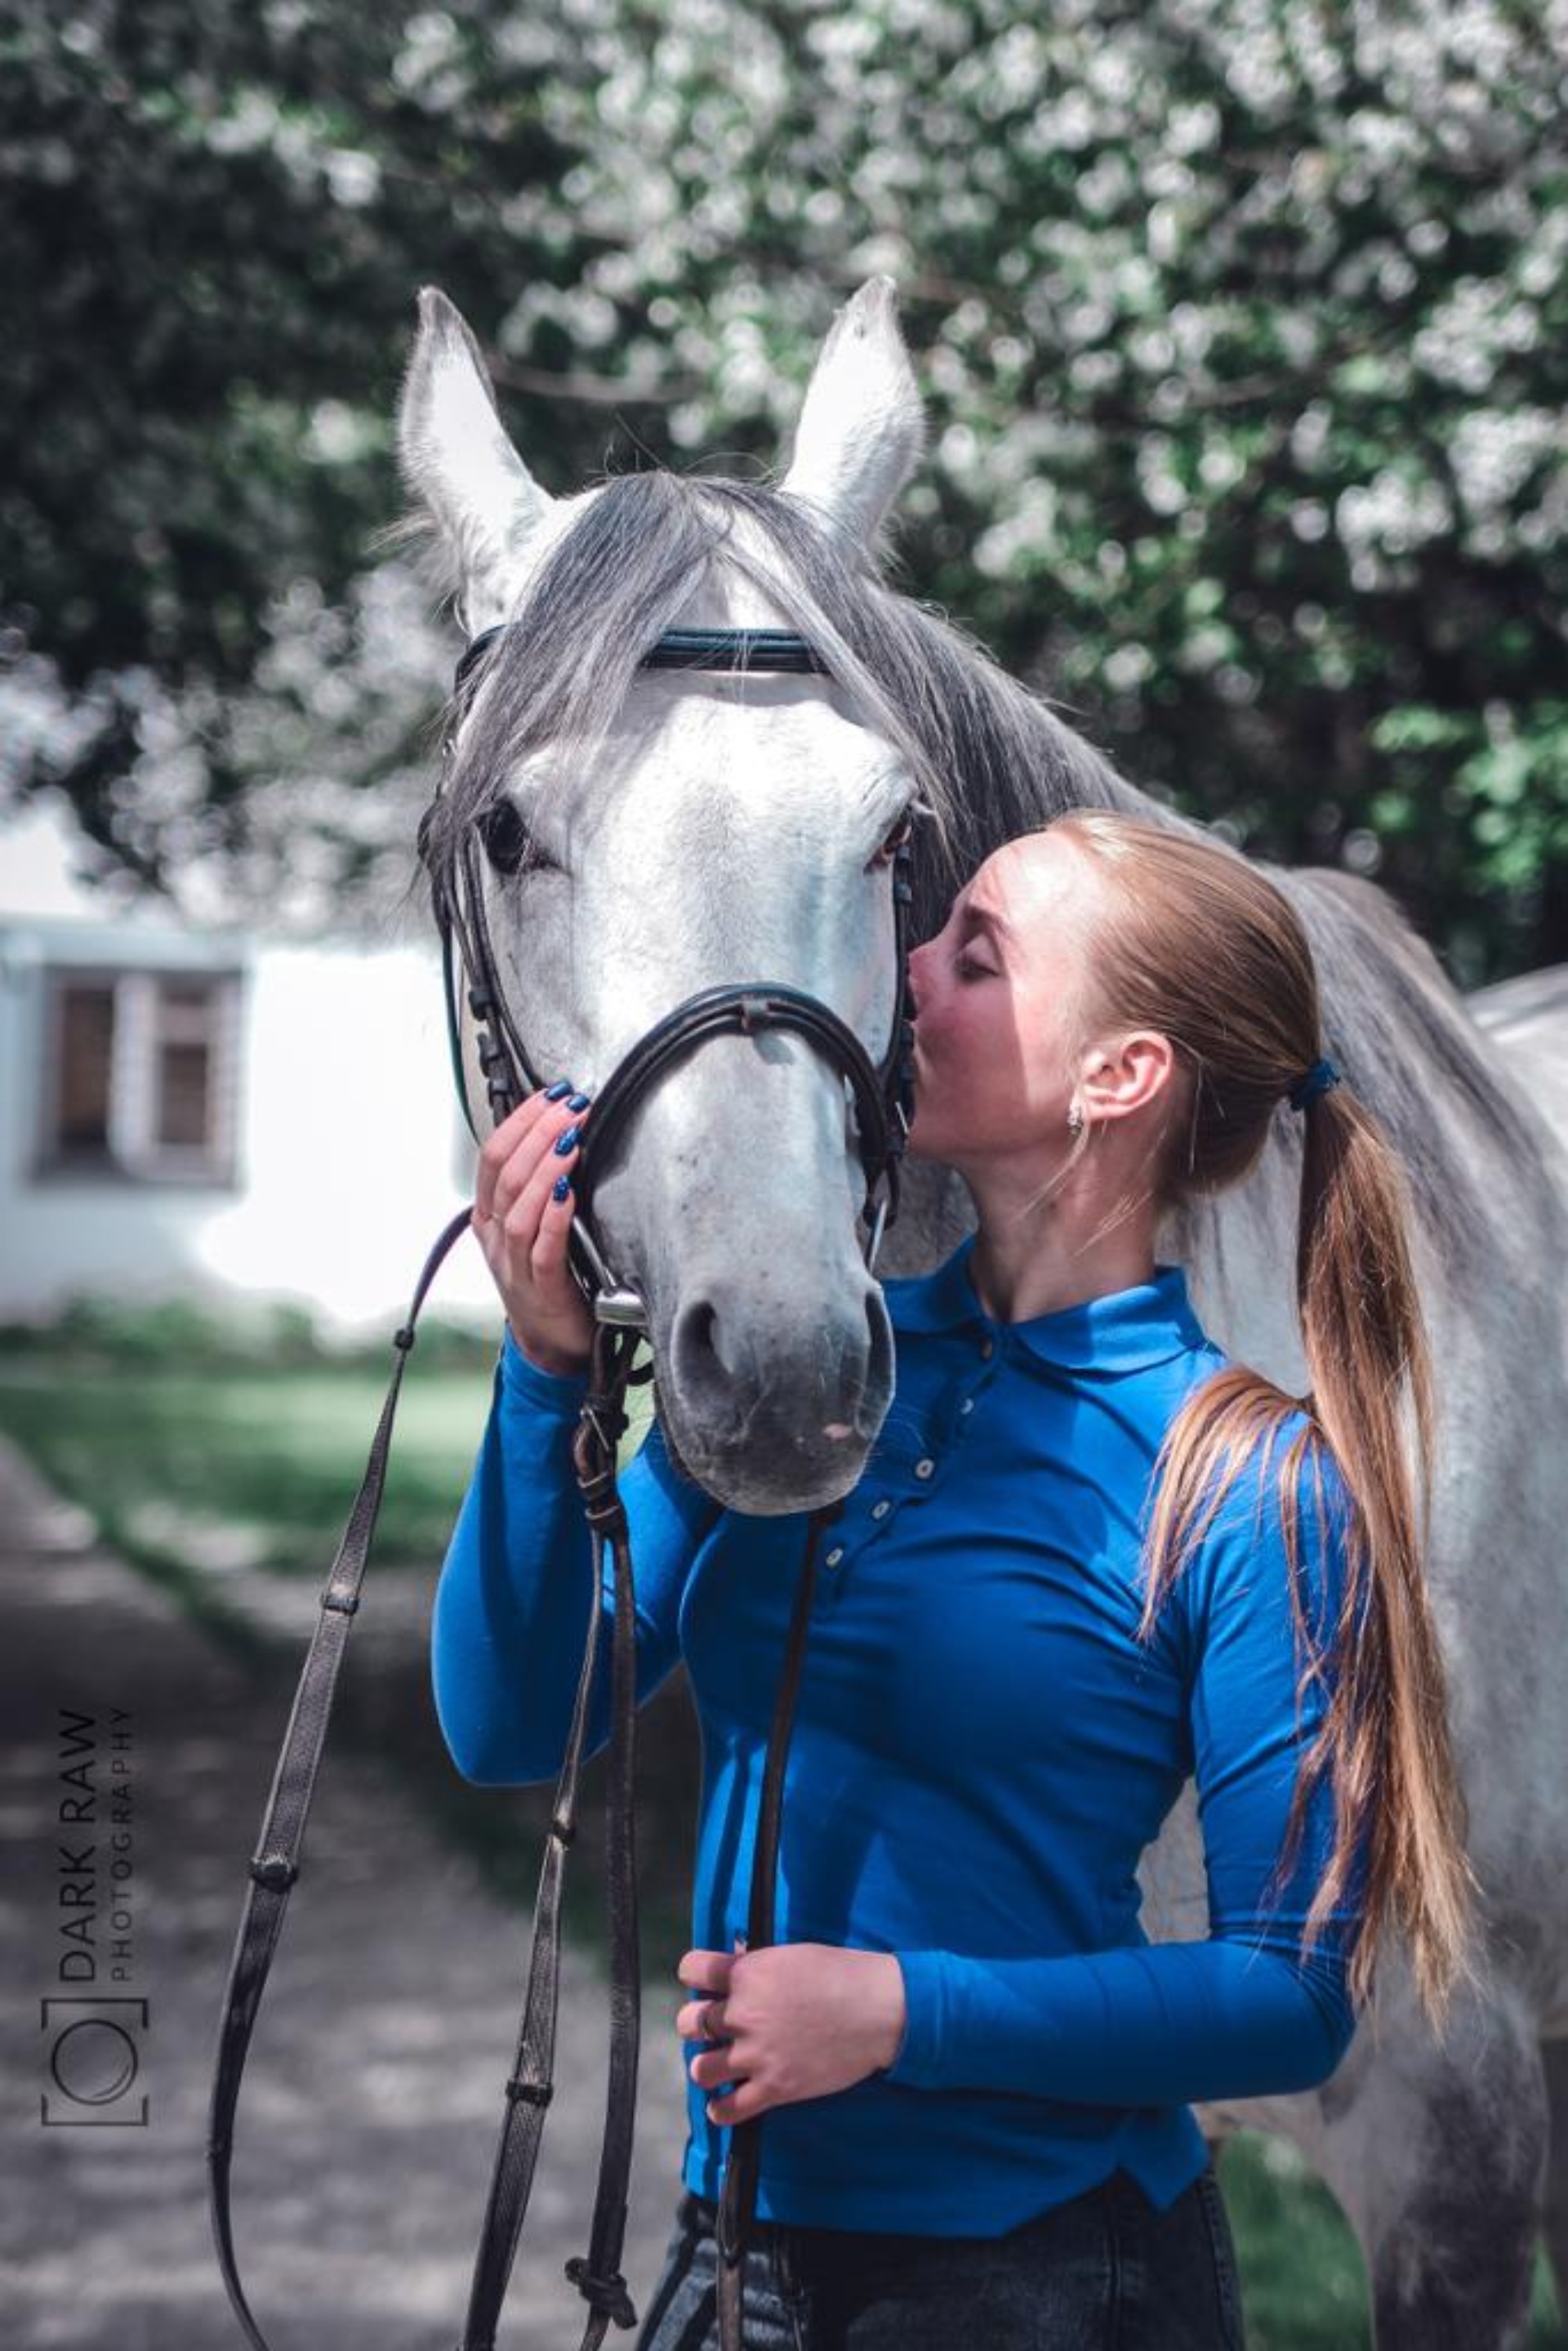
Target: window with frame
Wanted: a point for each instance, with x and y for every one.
(140, 1075)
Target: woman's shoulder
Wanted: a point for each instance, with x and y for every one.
(1280, 1501)
(1280, 1428)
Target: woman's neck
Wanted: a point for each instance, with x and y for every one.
(1037, 1258)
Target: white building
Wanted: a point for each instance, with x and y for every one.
(213, 1116)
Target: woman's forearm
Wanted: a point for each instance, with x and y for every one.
(1165, 2025)
(511, 1617)
(511, 1614)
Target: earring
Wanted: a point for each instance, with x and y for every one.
(1075, 1120)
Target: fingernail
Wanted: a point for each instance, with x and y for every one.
(561, 1189)
(566, 1141)
(558, 1092)
(578, 1101)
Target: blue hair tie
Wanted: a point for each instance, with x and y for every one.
(1317, 1081)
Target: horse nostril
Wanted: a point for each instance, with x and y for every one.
(694, 1346)
(781, 1377)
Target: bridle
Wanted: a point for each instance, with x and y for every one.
(882, 1095)
(883, 1101)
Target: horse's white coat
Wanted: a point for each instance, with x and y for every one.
(704, 783)
(1438, 2154)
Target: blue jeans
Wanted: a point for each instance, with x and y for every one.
(1104, 2271)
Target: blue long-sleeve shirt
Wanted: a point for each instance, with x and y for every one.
(981, 1750)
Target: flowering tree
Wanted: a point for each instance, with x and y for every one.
(1242, 323)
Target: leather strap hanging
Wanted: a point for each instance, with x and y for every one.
(276, 1867)
(278, 1857)
(275, 1863)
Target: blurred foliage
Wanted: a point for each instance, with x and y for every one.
(1242, 323)
(216, 221)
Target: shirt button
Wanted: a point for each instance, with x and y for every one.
(925, 1468)
(987, 1349)
(967, 1405)
(833, 1556)
(880, 1510)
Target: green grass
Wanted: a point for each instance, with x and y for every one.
(217, 1465)
(183, 1467)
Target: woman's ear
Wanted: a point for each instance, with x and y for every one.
(1126, 1072)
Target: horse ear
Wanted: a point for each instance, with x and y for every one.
(459, 464)
(861, 428)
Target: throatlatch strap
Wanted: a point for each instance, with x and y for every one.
(738, 2196)
(275, 1863)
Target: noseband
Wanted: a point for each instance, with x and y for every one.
(883, 1101)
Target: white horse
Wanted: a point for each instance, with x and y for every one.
(684, 829)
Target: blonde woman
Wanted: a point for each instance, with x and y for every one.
(1088, 1558)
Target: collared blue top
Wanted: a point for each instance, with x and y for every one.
(982, 1748)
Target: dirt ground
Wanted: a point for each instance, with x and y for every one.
(373, 2094)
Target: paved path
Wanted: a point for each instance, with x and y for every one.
(373, 2094)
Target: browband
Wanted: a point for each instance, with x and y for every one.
(770, 650)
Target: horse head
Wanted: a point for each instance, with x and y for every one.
(648, 834)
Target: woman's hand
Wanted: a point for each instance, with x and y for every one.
(796, 2021)
(522, 1217)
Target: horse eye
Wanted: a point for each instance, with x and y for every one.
(508, 843)
(901, 835)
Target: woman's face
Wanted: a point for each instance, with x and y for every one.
(992, 1004)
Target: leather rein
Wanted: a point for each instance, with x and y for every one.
(883, 1095)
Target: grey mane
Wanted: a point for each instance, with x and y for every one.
(993, 760)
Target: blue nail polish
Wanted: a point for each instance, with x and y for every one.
(578, 1101)
(561, 1189)
(566, 1141)
(559, 1090)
